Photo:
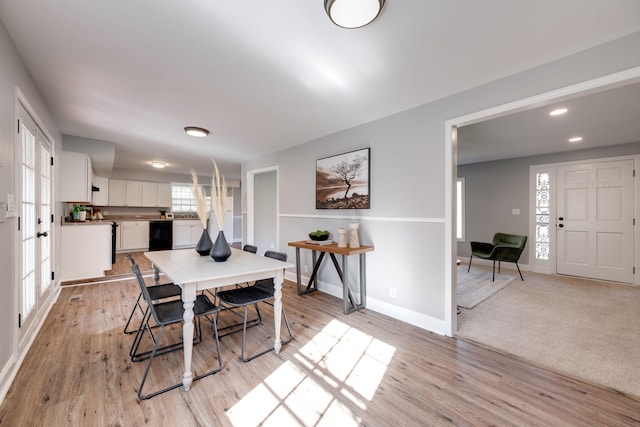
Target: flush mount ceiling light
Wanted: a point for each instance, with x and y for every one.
(353, 13)
(196, 131)
(575, 139)
(159, 165)
(558, 112)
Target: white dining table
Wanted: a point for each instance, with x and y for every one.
(193, 273)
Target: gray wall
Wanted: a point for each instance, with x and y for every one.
(14, 74)
(406, 222)
(493, 189)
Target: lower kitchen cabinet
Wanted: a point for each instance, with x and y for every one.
(85, 251)
(186, 233)
(134, 236)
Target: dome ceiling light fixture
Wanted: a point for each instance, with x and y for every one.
(158, 165)
(353, 13)
(196, 131)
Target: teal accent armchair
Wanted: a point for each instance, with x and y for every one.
(505, 247)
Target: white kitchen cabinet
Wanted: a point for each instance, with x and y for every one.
(76, 175)
(134, 235)
(85, 251)
(156, 194)
(186, 233)
(164, 195)
(101, 197)
(133, 193)
(117, 189)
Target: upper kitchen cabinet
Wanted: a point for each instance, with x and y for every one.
(133, 193)
(117, 188)
(156, 194)
(101, 195)
(76, 176)
(124, 192)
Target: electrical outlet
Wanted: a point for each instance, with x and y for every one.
(392, 292)
(515, 211)
(273, 245)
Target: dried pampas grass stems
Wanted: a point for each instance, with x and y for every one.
(201, 200)
(218, 195)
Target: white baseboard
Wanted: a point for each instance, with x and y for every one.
(417, 319)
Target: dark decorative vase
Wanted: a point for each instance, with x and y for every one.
(204, 244)
(220, 250)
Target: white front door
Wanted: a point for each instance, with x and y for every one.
(594, 231)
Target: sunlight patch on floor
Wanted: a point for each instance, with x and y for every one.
(340, 367)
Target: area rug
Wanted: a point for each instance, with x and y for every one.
(476, 286)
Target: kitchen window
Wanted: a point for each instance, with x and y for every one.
(182, 200)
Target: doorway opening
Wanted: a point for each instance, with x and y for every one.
(263, 212)
(451, 135)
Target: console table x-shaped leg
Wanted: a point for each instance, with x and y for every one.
(349, 301)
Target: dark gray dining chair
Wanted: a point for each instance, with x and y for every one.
(157, 292)
(262, 291)
(164, 314)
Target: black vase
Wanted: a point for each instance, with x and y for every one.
(204, 244)
(220, 251)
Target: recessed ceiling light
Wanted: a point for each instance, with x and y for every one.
(575, 139)
(159, 165)
(558, 112)
(196, 131)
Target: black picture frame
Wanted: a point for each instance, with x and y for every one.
(343, 180)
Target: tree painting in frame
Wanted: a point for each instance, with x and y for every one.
(342, 181)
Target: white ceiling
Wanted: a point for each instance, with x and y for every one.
(266, 75)
(608, 117)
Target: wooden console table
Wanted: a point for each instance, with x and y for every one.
(350, 303)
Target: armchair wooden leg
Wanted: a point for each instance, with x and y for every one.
(469, 269)
(493, 279)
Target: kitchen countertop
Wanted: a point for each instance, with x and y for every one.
(74, 223)
(122, 218)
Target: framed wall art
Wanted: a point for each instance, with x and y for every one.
(342, 181)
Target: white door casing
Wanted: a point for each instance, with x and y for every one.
(594, 228)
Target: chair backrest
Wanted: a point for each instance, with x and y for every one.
(267, 285)
(131, 260)
(501, 239)
(143, 287)
(280, 256)
(250, 248)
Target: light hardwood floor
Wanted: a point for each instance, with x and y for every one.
(358, 369)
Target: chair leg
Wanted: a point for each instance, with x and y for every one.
(248, 359)
(250, 322)
(518, 267)
(493, 279)
(146, 373)
(468, 269)
(133, 311)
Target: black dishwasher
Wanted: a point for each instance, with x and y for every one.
(160, 235)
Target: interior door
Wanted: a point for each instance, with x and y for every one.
(594, 229)
(35, 229)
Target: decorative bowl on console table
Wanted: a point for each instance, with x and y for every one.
(319, 235)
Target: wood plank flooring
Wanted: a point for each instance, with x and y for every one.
(362, 369)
